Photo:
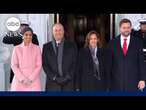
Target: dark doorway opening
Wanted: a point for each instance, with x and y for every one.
(78, 25)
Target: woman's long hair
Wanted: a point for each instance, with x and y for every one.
(87, 40)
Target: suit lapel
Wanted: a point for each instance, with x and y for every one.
(130, 45)
(52, 50)
(90, 56)
(119, 48)
(99, 56)
(53, 55)
(64, 55)
(91, 62)
(64, 50)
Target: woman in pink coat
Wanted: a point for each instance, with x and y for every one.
(26, 63)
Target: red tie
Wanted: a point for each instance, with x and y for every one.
(124, 47)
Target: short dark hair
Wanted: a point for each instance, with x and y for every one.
(24, 24)
(125, 21)
(27, 29)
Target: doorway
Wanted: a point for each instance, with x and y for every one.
(76, 27)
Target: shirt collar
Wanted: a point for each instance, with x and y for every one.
(59, 42)
(122, 37)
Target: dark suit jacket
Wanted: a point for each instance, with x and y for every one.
(49, 60)
(141, 35)
(85, 75)
(16, 40)
(126, 71)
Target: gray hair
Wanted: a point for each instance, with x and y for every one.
(59, 25)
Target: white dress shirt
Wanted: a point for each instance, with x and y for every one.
(127, 41)
(57, 42)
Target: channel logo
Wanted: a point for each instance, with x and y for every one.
(13, 24)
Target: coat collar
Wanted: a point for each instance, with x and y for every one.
(22, 45)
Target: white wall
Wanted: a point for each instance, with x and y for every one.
(5, 53)
(133, 17)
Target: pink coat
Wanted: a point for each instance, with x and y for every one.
(26, 63)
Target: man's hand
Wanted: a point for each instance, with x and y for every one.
(141, 85)
(62, 80)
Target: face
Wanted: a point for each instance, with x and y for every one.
(143, 27)
(93, 41)
(27, 37)
(125, 29)
(58, 32)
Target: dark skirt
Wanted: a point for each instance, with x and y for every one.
(91, 83)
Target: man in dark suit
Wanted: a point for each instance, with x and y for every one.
(141, 33)
(16, 39)
(126, 61)
(59, 61)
